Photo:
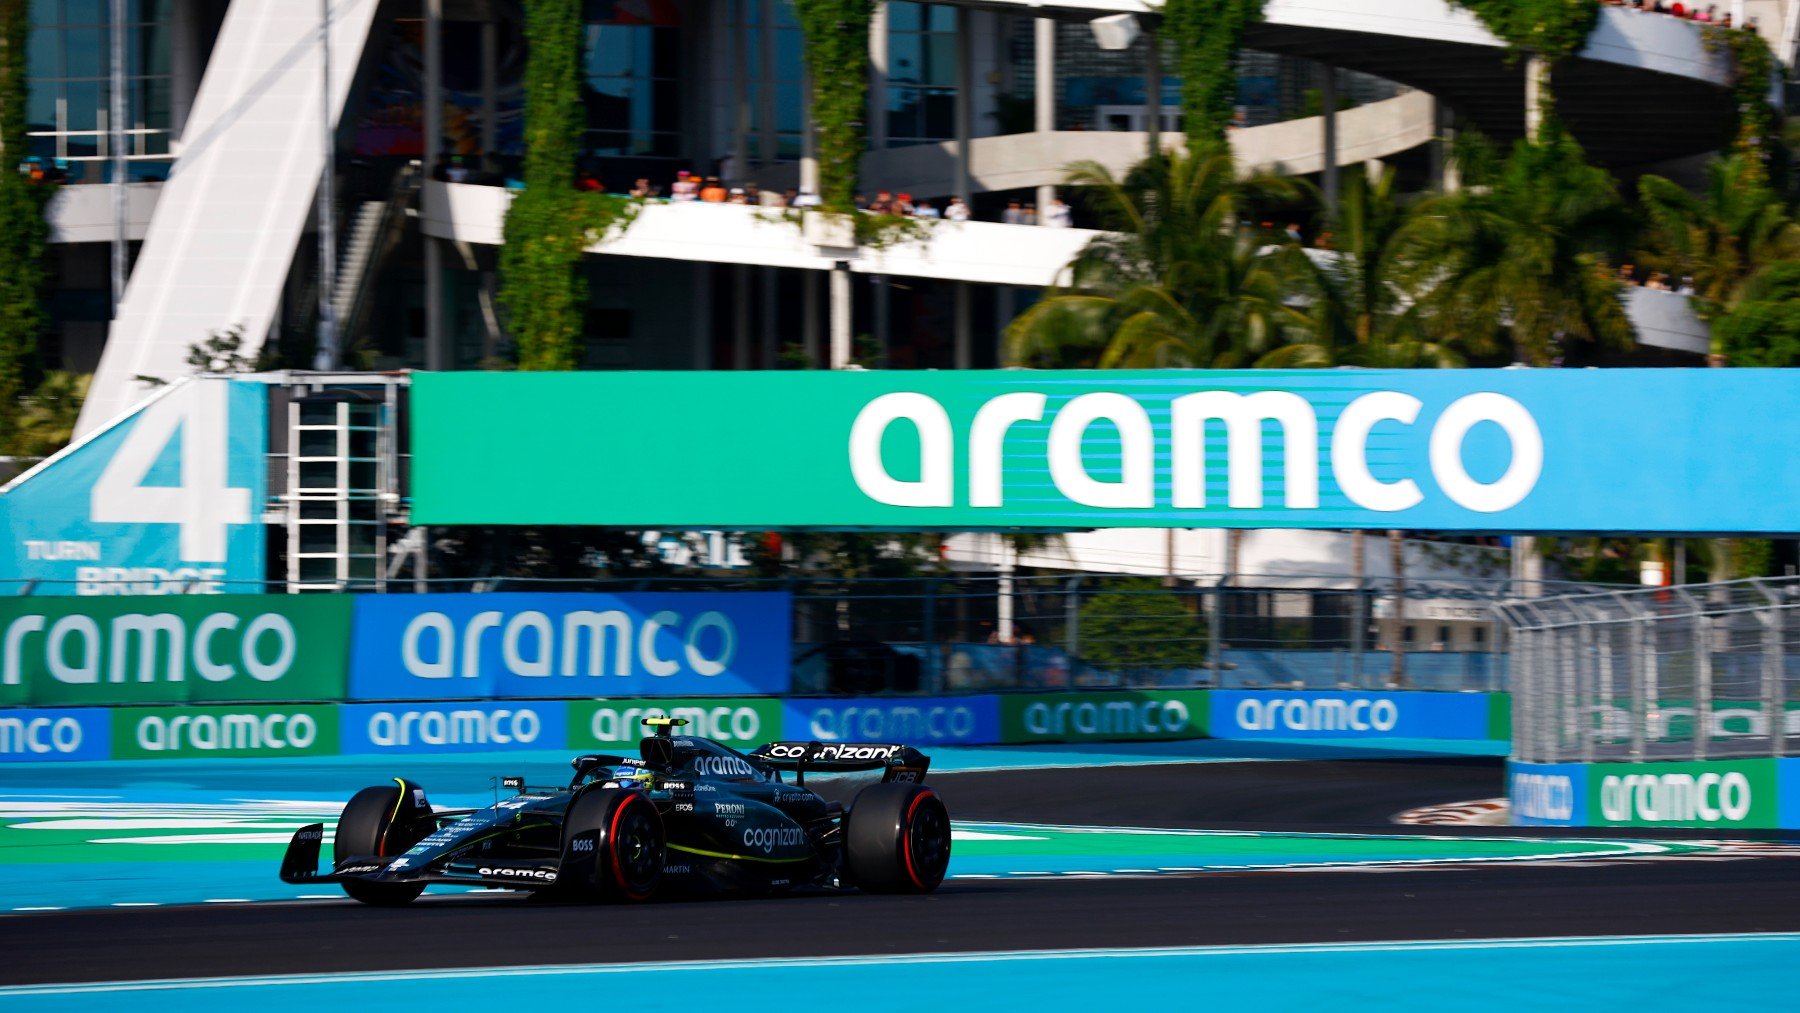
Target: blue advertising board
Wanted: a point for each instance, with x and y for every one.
(74, 733)
(1266, 714)
(508, 645)
(1547, 794)
(168, 500)
(466, 727)
(1787, 787)
(909, 720)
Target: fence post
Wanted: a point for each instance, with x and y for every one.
(934, 667)
(1214, 646)
(1072, 619)
(1359, 628)
(1773, 667)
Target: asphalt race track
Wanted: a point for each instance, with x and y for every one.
(1709, 894)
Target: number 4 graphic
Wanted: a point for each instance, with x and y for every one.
(203, 504)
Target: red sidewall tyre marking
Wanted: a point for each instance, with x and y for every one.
(612, 845)
(906, 837)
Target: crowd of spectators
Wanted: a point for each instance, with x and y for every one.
(693, 187)
(1656, 281)
(1708, 13)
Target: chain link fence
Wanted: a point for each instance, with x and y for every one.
(981, 632)
(1704, 671)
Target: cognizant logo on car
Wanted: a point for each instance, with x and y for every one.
(767, 839)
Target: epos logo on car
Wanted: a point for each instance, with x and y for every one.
(463, 646)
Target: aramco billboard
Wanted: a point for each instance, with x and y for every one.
(1630, 450)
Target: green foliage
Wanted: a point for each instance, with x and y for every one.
(24, 232)
(1174, 282)
(1356, 310)
(45, 422)
(1207, 35)
(836, 33)
(1519, 262)
(1757, 138)
(1551, 29)
(550, 223)
(221, 352)
(1137, 625)
(1734, 227)
(1763, 329)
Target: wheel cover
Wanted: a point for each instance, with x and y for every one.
(637, 849)
(928, 842)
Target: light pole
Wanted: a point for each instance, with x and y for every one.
(326, 355)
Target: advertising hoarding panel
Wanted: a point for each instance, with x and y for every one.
(196, 649)
(466, 727)
(168, 500)
(913, 721)
(187, 733)
(1718, 793)
(1103, 716)
(1271, 714)
(1460, 450)
(739, 722)
(515, 645)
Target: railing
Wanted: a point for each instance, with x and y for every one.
(983, 632)
(1704, 671)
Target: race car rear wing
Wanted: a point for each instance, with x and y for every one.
(899, 763)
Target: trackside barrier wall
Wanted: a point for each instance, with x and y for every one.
(460, 726)
(1724, 794)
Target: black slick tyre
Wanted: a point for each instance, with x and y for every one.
(367, 828)
(897, 839)
(613, 846)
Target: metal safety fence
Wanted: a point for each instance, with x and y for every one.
(1695, 672)
(955, 632)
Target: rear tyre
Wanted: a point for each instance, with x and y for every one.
(613, 846)
(897, 839)
(367, 828)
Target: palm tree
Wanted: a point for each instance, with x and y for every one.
(1519, 262)
(46, 419)
(1173, 282)
(1723, 236)
(1357, 313)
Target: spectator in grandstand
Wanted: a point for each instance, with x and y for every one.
(923, 209)
(1014, 214)
(956, 210)
(1031, 217)
(685, 188)
(714, 191)
(642, 189)
(805, 199)
(1059, 215)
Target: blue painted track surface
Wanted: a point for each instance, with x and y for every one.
(1653, 973)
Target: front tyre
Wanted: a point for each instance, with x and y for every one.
(368, 827)
(897, 839)
(613, 846)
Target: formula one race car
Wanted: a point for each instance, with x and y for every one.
(688, 815)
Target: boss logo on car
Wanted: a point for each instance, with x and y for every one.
(582, 844)
(546, 875)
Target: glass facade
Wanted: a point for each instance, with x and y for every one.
(69, 67)
(631, 84)
(774, 55)
(921, 92)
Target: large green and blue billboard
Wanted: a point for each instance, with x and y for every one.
(1678, 451)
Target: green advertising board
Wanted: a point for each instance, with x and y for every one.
(1720, 793)
(185, 649)
(1121, 715)
(172, 733)
(1500, 716)
(745, 721)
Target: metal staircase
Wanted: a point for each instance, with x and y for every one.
(342, 481)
